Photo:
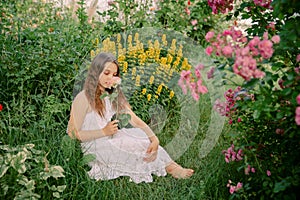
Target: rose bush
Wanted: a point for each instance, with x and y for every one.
(262, 66)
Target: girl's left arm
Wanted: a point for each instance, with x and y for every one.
(137, 122)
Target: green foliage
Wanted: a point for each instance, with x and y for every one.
(26, 174)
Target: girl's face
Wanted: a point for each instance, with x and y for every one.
(110, 70)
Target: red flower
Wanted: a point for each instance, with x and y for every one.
(1, 107)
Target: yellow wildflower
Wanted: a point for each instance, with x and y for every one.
(137, 80)
(156, 44)
(151, 80)
(173, 47)
(169, 58)
(179, 52)
(125, 67)
(144, 90)
(118, 38)
(133, 73)
(129, 39)
(163, 60)
(159, 88)
(92, 54)
(164, 40)
(96, 42)
(136, 37)
(121, 58)
(171, 94)
(148, 97)
(156, 96)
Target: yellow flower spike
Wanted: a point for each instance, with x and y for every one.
(96, 42)
(133, 73)
(150, 45)
(156, 96)
(151, 80)
(129, 39)
(163, 60)
(179, 52)
(164, 40)
(121, 58)
(184, 64)
(159, 88)
(125, 67)
(137, 81)
(118, 38)
(92, 54)
(136, 37)
(148, 97)
(169, 58)
(171, 94)
(144, 90)
(156, 44)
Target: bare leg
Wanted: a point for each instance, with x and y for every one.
(178, 171)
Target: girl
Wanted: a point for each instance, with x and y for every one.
(133, 152)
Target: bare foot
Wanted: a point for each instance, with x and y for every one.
(179, 172)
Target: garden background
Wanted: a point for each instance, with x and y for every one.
(46, 47)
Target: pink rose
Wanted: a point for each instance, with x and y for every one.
(227, 51)
(209, 35)
(298, 99)
(194, 22)
(276, 39)
(209, 50)
(298, 58)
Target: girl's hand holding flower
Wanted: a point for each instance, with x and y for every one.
(111, 128)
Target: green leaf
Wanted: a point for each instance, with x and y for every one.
(281, 186)
(61, 188)
(103, 95)
(256, 114)
(56, 195)
(3, 169)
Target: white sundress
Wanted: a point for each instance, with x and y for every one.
(121, 154)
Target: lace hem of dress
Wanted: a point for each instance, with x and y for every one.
(103, 172)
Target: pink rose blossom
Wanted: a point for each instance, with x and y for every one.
(298, 110)
(297, 120)
(266, 35)
(276, 39)
(194, 22)
(188, 12)
(227, 51)
(298, 58)
(210, 73)
(239, 185)
(232, 189)
(268, 173)
(209, 35)
(209, 50)
(239, 120)
(298, 99)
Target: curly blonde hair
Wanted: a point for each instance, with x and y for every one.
(92, 87)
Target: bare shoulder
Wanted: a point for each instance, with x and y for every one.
(81, 97)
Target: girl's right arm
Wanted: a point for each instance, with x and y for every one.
(79, 109)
